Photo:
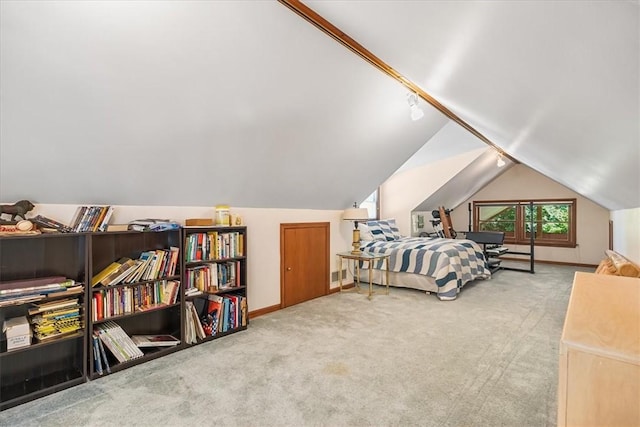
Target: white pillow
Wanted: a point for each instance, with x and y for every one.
(365, 233)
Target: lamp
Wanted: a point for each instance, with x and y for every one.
(356, 214)
(500, 162)
(414, 104)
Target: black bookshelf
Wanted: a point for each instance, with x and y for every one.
(42, 368)
(45, 367)
(158, 320)
(227, 245)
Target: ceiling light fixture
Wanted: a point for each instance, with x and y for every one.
(500, 162)
(414, 102)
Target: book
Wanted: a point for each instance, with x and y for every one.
(189, 325)
(105, 220)
(174, 251)
(98, 215)
(215, 310)
(77, 216)
(108, 270)
(117, 227)
(97, 356)
(199, 326)
(53, 305)
(45, 222)
(118, 342)
(125, 268)
(82, 225)
(143, 341)
(103, 353)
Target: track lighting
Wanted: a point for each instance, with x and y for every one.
(414, 100)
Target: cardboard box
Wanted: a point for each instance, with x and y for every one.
(202, 222)
(18, 332)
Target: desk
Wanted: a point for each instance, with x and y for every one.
(369, 258)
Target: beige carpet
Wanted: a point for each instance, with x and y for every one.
(488, 358)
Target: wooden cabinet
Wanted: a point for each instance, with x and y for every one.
(599, 369)
(46, 365)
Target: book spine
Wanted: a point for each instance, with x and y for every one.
(106, 219)
(104, 357)
(97, 364)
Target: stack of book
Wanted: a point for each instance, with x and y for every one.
(150, 266)
(212, 277)
(117, 342)
(52, 224)
(91, 218)
(56, 318)
(29, 290)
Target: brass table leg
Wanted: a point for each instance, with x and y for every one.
(387, 274)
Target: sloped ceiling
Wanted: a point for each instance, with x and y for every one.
(198, 103)
(192, 103)
(555, 84)
(450, 141)
(466, 183)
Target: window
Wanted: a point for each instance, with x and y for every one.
(552, 221)
(372, 205)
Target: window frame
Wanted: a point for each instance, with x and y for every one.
(520, 236)
(366, 203)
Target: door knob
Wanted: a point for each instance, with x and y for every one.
(288, 268)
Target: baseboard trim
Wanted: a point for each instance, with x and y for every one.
(337, 288)
(271, 309)
(541, 261)
(264, 310)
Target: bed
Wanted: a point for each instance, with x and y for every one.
(438, 265)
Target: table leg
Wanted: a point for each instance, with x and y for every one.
(370, 279)
(387, 275)
(340, 272)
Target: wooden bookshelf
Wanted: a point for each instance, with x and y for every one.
(45, 367)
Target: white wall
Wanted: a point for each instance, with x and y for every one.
(263, 237)
(401, 193)
(522, 182)
(626, 233)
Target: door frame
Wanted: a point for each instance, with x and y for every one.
(293, 225)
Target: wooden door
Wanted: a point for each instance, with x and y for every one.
(304, 262)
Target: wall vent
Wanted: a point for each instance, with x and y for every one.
(334, 276)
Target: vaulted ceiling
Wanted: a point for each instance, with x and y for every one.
(198, 103)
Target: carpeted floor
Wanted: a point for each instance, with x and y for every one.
(488, 358)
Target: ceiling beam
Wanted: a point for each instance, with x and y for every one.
(334, 32)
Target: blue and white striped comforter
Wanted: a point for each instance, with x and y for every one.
(451, 262)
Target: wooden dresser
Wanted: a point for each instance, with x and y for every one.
(599, 370)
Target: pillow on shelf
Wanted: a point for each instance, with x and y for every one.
(384, 230)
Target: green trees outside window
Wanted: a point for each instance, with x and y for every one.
(553, 221)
